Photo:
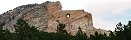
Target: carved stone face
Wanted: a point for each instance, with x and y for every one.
(73, 19)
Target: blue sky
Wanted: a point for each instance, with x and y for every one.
(106, 13)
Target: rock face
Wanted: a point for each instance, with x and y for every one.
(46, 16)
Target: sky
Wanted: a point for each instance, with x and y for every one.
(105, 13)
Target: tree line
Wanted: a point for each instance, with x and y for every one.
(25, 32)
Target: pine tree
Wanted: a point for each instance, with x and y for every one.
(61, 33)
(80, 35)
(123, 32)
(24, 31)
(1, 33)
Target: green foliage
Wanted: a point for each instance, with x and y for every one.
(98, 36)
(123, 32)
(5, 34)
(80, 35)
(25, 32)
(60, 28)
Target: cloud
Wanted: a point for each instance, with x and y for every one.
(106, 14)
(73, 5)
(117, 6)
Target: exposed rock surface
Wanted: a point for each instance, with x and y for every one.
(46, 16)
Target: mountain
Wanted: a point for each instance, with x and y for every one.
(46, 16)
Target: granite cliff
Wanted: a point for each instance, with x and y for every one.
(46, 16)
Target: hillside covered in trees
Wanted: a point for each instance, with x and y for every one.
(26, 32)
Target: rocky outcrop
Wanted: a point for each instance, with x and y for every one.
(46, 16)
